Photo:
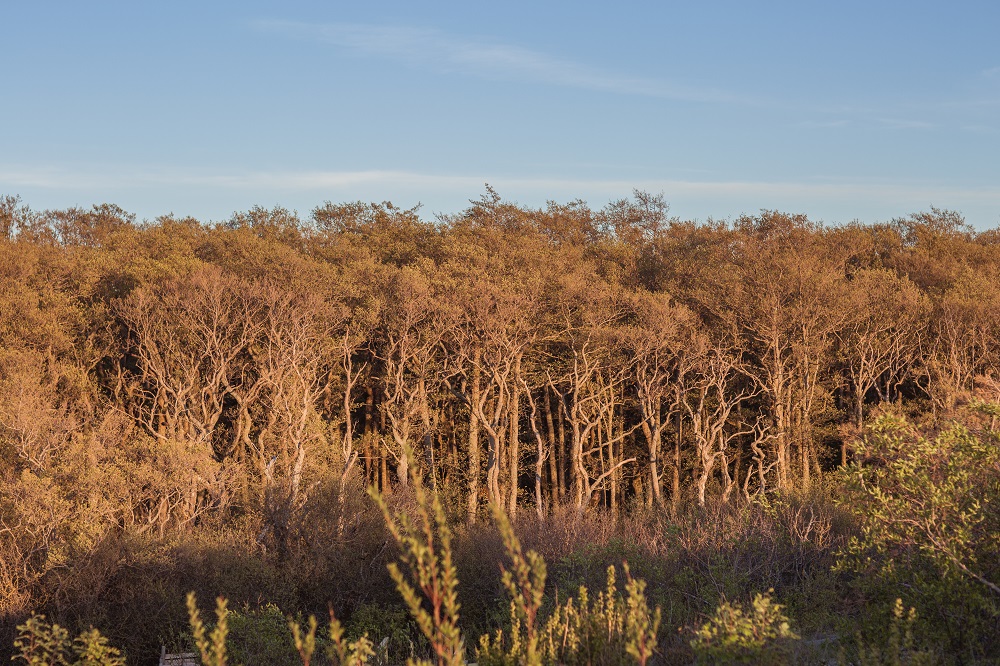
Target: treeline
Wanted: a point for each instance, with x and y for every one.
(515, 355)
(158, 374)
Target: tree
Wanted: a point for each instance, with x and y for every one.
(878, 342)
(659, 341)
(296, 354)
(13, 216)
(780, 292)
(710, 400)
(185, 337)
(963, 339)
(406, 348)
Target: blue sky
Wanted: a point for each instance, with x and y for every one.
(848, 110)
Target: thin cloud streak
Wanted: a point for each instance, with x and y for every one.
(487, 58)
(824, 124)
(304, 181)
(895, 123)
(441, 51)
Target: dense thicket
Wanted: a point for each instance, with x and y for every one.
(165, 382)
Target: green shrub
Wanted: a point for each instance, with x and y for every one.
(899, 648)
(273, 643)
(931, 497)
(525, 583)
(341, 651)
(610, 629)
(929, 512)
(426, 552)
(760, 635)
(211, 645)
(259, 636)
(641, 627)
(391, 630)
(42, 644)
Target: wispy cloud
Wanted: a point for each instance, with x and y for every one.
(485, 57)
(821, 124)
(897, 123)
(110, 178)
(992, 72)
(981, 129)
(334, 181)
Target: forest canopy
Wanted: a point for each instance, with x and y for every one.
(163, 381)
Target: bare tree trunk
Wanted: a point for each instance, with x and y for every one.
(616, 470)
(806, 479)
(599, 436)
(563, 458)
(675, 490)
(493, 467)
(427, 437)
(702, 480)
(474, 454)
(553, 461)
(781, 443)
(351, 377)
(515, 440)
(386, 484)
(371, 473)
(540, 449)
(577, 464)
(652, 428)
(403, 470)
(403, 460)
(728, 481)
(539, 461)
(385, 487)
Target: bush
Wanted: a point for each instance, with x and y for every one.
(899, 648)
(425, 550)
(390, 628)
(259, 636)
(42, 644)
(611, 630)
(761, 635)
(929, 508)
